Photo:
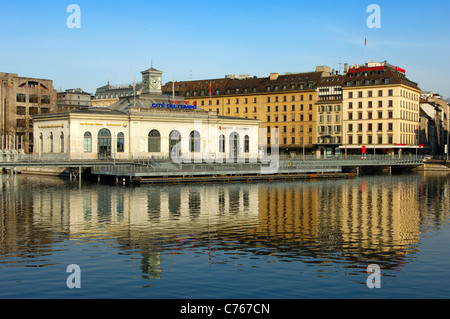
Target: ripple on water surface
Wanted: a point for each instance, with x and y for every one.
(262, 240)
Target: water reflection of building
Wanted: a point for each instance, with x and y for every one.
(290, 212)
(195, 205)
(375, 218)
(145, 219)
(19, 229)
(380, 216)
(434, 204)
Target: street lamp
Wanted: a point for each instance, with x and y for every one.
(417, 141)
(448, 129)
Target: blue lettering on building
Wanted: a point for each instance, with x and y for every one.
(174, 106)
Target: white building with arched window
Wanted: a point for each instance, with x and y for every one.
(183, 135)
(148, 125)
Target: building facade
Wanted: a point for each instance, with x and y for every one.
(434, 111)
(180, 135)
(429, 128)
(329, 115)
(20, 99)
(281, 102)
(444, 124)
(380, 110)
(150, 125)
(109, 94)
(73, 99)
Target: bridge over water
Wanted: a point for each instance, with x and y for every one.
(149, 170)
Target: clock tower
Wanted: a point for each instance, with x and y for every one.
(151, 81)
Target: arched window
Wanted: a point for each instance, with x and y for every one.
(61, 142)
(234, 145)
(51, 143)
(87, 142)
(120, 142)
(104, 143)
(222, 143)
(194, 141)
(154, 141)
(174, 143)
(246, 144)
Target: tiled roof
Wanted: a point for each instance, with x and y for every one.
(384, 76)
(336, 80)
(226, 86)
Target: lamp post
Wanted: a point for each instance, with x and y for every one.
(417, 141)
(448, 129)
(303, 145)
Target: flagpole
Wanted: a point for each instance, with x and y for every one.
(365, 49)
(134, 91)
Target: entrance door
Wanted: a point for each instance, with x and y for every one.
(104, 144)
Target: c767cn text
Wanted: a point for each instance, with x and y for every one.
(229, 308)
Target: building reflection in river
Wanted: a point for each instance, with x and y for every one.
(376, 218)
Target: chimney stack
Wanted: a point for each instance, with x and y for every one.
(273, 76)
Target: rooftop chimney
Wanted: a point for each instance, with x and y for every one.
(273, 76)
(324, 69)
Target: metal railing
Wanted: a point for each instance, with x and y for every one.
(169, 168)
(150, 164)
(48, 160)
(283, 166)
(349, 157)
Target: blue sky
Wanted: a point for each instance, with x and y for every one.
(208, 39)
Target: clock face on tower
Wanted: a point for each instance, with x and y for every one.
(145, 83)
(155, 83)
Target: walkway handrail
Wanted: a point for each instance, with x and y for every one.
(61, 160)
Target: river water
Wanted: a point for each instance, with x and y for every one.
(277, 240)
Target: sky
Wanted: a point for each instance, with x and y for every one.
(190, 40)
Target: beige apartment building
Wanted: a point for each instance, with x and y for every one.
(373, 107)
(380, 110)
(329, 115)
(20, 98)
(441, 121)
(73, 99)
(281, 102)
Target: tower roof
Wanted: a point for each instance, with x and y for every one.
(152, 69)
